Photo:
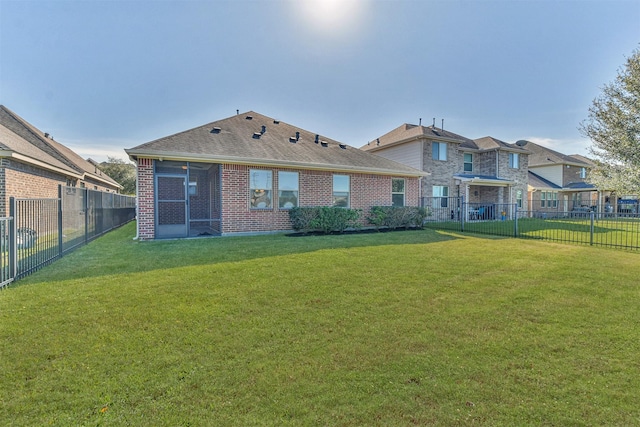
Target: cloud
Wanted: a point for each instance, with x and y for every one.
(99, 150)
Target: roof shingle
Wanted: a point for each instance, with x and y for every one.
(252, 138)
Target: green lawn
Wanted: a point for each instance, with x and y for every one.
(614, 232)
(403, 328)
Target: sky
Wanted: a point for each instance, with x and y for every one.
(102, 76)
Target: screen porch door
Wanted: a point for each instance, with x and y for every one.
(171, 206)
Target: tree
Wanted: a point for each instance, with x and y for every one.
(122, 172)
(613, 126)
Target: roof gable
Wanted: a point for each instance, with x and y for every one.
(21, 137)
(252, 138)
(543, 156)
(491, 143)
(407, 132)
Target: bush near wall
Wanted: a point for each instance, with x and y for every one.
(324, 219)
(394, 217)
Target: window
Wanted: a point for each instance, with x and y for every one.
(193, 186)
(287, 190)
(397, 192)
(583, 173)
(439, 150)
(260, 188)
(514, 160)
(440, 196)
(549, 198)
(519, 198)
(468, 162)
(341, 191)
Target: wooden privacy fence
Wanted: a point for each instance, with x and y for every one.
(39, 231)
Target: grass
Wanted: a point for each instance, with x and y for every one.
(402, 328)
(613, 232)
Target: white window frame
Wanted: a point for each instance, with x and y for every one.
(514, 160)
(339, 192)
(440, 197)
(285, 202)
(519, 198)
(465, 162)
(260, 189)
(439, 153)
(398, 193)
(583, 173)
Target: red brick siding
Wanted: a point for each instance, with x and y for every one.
(315, 189)
(25, 181)
(146, 217)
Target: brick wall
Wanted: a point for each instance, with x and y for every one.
(571, 174)
(25, 181)
(146, 218)
(315, 189)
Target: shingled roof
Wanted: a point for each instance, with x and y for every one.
(21, 140)
(543, 156)
(491, 143)
(408, 132)
(254, 139)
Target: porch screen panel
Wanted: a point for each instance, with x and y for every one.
(171, 200)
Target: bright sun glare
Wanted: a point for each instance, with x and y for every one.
(330, 16)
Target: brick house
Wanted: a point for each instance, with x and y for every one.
(558, 182)
(33, 164)
(487, 172)
(244, 173)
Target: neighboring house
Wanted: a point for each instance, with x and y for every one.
(487, 172)
(244, 173)
(558, 182)
(32, 164)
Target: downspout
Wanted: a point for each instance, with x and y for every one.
(137, 202)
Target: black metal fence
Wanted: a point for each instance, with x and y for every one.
(611, 229)
(39, 231)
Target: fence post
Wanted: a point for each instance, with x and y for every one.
(13, 247)
(515, 221)
(463, 212)
(60, 249)
(86, 215)
(592, 215)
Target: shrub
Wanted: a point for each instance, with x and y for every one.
(397, 217)
(324, 218)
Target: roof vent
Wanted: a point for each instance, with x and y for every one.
(249, 117)
(377, 141)
(297, 136)
(324, 143)
(257, 135)
(343, 146)
(46, 134)
(264, 129)
(216, 130)
(276, 122)
(293, 139)
(317, 140)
